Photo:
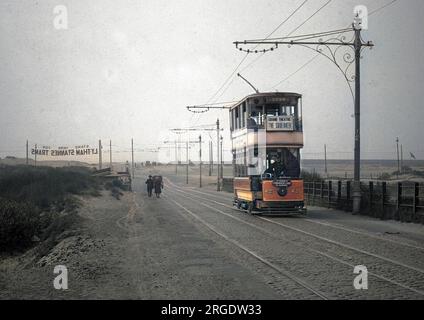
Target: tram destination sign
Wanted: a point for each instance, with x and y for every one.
(280, 123)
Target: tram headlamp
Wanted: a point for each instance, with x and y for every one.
(282, 191)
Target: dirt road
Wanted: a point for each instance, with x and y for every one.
(190, 244)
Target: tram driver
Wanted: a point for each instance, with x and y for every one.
(276, 168)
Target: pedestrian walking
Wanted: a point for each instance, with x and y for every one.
(158, 187)
(149, 183)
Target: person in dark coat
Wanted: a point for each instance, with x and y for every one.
(149, 183)
(158, 187)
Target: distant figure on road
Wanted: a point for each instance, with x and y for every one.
(158, 187)
(149, 183)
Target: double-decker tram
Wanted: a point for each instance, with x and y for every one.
(267, 136)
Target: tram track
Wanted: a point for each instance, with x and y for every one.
(409, 287)
(322, 223)
(253, 254)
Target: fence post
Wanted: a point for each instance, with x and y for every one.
(330, 191)
(348, 193)
(383, 198)
(415, 201)
(313, 193)
(322, 189)
(339, 192)
(399, 200)
(371, 197)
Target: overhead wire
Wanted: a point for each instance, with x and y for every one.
(231, 78)
(308, 62)
(289, 34)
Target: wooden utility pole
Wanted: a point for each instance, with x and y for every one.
(211, 158)
(222, 159)
(27, 161)
(176, 158)
(325, 159)
(209, 153)
(132, 157)
(398, 160)
(188, 160)
(35, 156)
(179, 150)
(100, 154)
(110, 154)
(200, 163)
(218, 187)
(401, 158)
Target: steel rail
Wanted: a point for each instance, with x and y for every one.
(303, 247)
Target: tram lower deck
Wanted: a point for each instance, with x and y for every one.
(280, 196)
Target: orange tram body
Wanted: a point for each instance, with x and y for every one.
(267, 136)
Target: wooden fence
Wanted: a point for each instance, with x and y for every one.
(400, 201)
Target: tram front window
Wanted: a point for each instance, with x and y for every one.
(282, 163)
(277, 110)
(255, 119)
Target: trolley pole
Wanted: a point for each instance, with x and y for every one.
(218, 187)
(200, 163)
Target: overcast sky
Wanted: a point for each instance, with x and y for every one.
(127, 69)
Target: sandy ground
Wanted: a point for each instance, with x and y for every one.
(131, 249)
(92, 250)
(165, 248)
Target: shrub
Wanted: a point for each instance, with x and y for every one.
(44, 186)
(31, 197)
(19, 223)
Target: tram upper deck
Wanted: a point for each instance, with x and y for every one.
(279, 114)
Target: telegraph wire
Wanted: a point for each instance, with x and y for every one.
(298, 70)
(289, 34)
(308, 62)
(245, 57)
(314, 14)
(275, 30)
(382, 7)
